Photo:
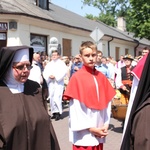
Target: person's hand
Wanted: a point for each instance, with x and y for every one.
(99, 132)
(76, 68)
(124, 88)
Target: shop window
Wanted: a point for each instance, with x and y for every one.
(38, 42)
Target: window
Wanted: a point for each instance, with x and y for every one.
(126, 51)
(38, 42)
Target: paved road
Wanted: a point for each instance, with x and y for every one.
(61, 128)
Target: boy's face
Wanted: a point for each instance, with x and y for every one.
(89, 57)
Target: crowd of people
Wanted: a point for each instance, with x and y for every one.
(29, 80)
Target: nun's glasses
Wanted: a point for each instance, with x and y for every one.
(23, 67)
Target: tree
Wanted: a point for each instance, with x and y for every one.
(105, 18)
(140, 15)
(135, 12)
(109, 10)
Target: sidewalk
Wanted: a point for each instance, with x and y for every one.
(113, 140)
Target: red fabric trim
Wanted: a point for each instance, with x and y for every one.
(82, 87)
(98, 147)
(137, 71)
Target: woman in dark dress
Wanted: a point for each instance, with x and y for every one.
(24, 122)
(137, 134)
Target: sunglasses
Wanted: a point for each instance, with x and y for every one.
(23, 67)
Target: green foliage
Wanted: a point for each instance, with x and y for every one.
(107, 19)
(110, 10)
(135, 12)
(140, 14)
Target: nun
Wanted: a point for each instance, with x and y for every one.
(24, 121)
(136, 135)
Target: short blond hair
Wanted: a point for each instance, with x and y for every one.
(87, 44)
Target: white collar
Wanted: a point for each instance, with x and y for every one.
(13, 85)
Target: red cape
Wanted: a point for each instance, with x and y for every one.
(82, 87)
(137, 71)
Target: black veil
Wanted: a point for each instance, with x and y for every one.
(142, 94)
(7, 54)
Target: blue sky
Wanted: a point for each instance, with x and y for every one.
(75, 6)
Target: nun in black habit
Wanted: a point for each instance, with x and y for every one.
(24, 122)
(137, 134)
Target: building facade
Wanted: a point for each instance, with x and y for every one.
(25, 23)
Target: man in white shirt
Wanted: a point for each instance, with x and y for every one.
(36, 72)
(54, 74)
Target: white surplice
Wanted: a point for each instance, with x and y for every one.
(58, 69)
(81, 119)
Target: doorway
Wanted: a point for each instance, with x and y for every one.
(3, 39)
(66, 47)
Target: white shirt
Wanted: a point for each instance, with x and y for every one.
(118, 80)
(35, 73)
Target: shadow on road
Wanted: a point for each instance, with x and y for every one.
(115, 129)
(65, 111)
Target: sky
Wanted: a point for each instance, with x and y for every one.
(76, 6)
